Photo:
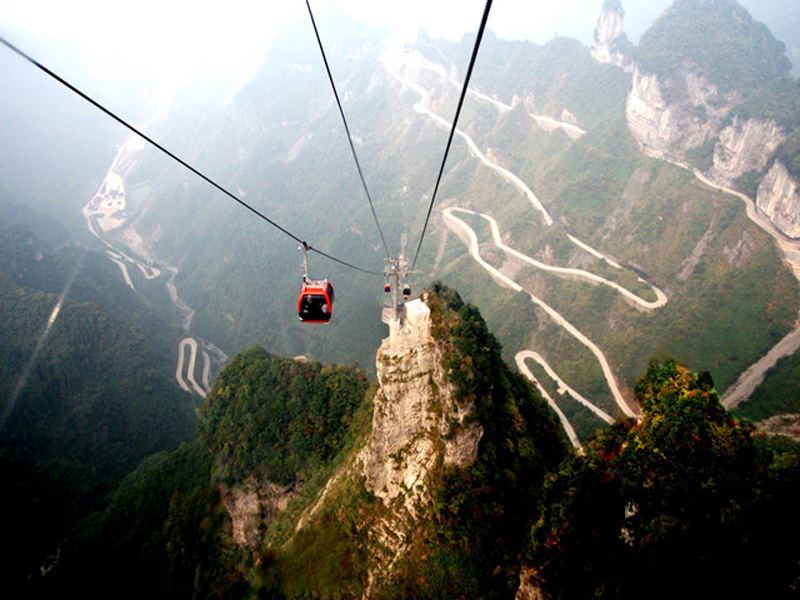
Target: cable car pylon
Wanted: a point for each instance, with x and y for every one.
(396, 280)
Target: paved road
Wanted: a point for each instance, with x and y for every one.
(465, 231)
(395, 63)
(754, 375)
(192, 343)
(661, 297)
(523, 368)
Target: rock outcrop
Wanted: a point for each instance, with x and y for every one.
(414, 416)
(687, 113)
(608, 35)
(745, 145)
(448, 473)
(416, 427)
(252, 506)
(778, 198)
(667, 119)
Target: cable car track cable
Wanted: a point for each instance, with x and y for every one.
(174, 157)
(464, 89)
(347, 130)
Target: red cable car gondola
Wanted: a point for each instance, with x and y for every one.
(315, 303)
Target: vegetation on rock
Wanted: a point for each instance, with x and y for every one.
(469, 545)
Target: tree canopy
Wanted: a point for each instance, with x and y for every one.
(686, 501)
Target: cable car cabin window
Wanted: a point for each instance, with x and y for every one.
(315, 304)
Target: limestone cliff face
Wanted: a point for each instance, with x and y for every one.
(778, 197)
(442, 475)
(607, 32)
(671, 118)
(416, 427)
(745, 145)
(693, 115)
(252, 506)
(414, 415)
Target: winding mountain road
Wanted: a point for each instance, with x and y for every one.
(397, 62)
(748, 380)
(661, 297)
(462, 229)
(568, 428)
(192, 343)
(132, 241)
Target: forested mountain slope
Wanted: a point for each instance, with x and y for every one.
(305, 481)
(597, 214)
(85, 383)
(447, 480)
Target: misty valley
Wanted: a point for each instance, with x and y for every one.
(593, 388)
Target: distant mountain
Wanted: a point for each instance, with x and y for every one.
(599, 214)
(783, 19)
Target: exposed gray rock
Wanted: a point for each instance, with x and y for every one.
(416, 426)
(634, 189)
(694, 114)
(253, 505)
(415, 420)
(745, 145)
(697, 113)
(741, 252)
(528, 590)
(778, 198)
(608, 30)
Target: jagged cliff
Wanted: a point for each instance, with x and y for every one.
(417, 427)
(677, 112)
(778, 197)
(692, 116)
(698, 113)
(416, 420)
(609, 41)
(434, 498)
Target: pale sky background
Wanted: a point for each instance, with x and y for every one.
(187, 39)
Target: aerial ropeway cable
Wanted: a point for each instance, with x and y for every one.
(310, 309)
(347, 130)
(464, 89)
(176, 158)
(316, 297)
(394, 268)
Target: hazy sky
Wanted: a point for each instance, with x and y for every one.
(193, 38)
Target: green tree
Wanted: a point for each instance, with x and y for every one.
(686, 501)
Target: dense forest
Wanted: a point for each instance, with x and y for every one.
(687, 502)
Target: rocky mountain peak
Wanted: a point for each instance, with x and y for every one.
(609, 37)
(707, 110)
(442, 448)
(416, 422)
